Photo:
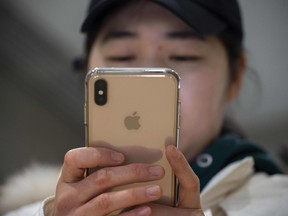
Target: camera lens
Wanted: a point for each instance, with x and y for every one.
(100, 92)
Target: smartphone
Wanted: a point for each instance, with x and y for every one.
(135, 111)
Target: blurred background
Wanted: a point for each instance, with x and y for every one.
(42, 95)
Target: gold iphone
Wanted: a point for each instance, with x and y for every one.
(135, 111)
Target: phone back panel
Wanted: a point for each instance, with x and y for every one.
(139, 118)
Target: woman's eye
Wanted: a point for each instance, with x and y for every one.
(185, 58)
(121, 58)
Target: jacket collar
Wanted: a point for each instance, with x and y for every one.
(227, 149)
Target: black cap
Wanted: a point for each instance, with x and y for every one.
(206, 17)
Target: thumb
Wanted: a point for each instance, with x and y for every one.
(189, 191)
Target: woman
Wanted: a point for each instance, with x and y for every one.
(203, 42)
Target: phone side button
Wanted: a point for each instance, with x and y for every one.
(179, 115)
(85, 118)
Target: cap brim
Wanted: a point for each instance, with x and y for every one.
(198, 18)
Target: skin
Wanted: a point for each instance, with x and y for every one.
(144, 34)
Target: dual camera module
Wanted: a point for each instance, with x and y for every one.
(100, 89)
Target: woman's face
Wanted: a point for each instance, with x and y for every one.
(147, 35)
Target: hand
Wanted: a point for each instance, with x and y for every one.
(189, 191)
(77, 195)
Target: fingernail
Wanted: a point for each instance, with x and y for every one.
(174, 151)
(153, 190)
(155, 171)
(143, 211)
(117, 157)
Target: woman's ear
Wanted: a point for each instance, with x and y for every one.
(236, 83)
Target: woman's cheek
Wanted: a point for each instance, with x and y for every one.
(201, 109)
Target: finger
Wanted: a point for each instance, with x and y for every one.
(139, 211)
(170, 211)
(189, 194)
(76, 162)
(113, 201)
(109, 177)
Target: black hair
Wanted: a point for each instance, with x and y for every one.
(234, 49)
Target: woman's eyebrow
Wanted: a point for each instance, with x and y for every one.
(112, 35)
(184, 35)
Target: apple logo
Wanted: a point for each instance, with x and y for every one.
(132, 122)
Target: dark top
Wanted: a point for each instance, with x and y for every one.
(228, 148)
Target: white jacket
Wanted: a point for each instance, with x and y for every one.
(234, 191)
